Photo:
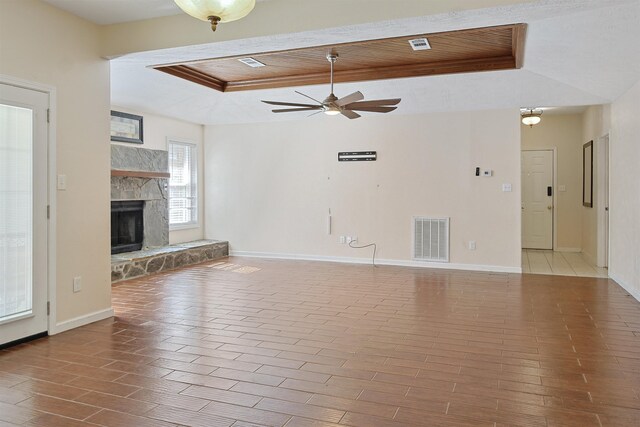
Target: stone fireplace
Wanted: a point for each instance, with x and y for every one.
(139, 181)
(140, 218)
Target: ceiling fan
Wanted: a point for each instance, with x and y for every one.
(332, 105)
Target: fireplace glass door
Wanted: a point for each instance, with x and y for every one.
(127, 227)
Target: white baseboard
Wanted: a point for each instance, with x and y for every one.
(568, 249)
(81, 321)
(395, 262)
(626, 287)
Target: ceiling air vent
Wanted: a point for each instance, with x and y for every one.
(253, 63)
(420, 44)
(431, 239)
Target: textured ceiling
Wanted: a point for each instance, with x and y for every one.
(105, 12)
(576, 53)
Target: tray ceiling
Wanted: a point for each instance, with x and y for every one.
(471, 50)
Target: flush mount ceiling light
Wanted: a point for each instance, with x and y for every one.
(216, 11)
(531, 117)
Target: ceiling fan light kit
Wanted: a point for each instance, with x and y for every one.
(333, 106)
(216, 11)
(531, 117)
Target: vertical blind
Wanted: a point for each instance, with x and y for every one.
(183, 193)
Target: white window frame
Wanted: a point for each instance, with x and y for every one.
(196, 222)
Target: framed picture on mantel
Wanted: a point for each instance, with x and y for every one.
(126, 127)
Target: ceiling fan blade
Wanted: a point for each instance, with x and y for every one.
(290, 110)
(307, 96)
(372, 109)
(375, 103)
(355, 96)
(350, 114)
(289, 104)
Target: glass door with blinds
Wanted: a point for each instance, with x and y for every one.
(183, 188)
(23, 213)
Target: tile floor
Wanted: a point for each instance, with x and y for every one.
(306, 344)
(537, 261)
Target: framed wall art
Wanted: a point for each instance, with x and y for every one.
(587, 174)
(126, 127)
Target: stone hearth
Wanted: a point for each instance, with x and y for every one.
(142, 263)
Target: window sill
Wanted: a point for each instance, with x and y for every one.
(183, 227)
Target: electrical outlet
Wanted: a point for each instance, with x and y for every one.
(354, 239)
(77, 284)
(349, 239)
(472, 245)
(343, 240)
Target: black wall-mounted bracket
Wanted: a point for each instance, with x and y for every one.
(358, 156)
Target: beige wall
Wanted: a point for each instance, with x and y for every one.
(596, 124)
(563, 132)
(42, 44)
(157, 129)
(269, 186)
(624, 262)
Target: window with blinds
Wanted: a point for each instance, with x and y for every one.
(183, 190)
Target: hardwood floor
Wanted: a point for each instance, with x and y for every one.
(304, 344)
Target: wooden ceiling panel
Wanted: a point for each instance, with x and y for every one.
(472, 50)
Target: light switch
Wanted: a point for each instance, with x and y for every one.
(562, 188)
(77, 284)
(506, 188)
(62, 182)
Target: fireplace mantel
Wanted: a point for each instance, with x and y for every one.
(140, 174)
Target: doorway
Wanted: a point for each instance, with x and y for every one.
(23, 213)
(537, 199)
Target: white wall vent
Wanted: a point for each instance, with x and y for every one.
(420, 44)
(431, 239)
(253, 63)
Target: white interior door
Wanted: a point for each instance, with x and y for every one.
(23, 213)
(537, 199)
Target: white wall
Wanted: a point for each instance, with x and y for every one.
(624, 207)
(156, 131)
(43, 44)
(269, 186)
(563, 132)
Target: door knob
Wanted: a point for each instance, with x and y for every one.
(549, 207)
